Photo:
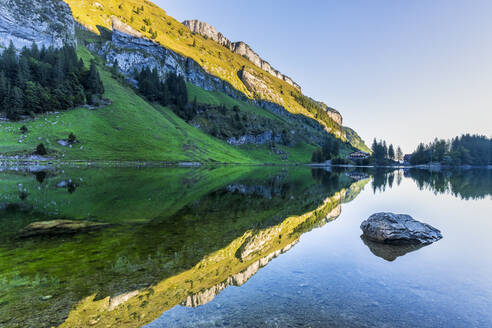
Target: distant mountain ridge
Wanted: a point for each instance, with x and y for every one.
(238, 47)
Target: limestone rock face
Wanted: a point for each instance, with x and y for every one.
(240, 48)
(332, 113)
(258, 139)
(207, 30)
(45, 22)
(134, 52)
(257, 86)
(118, 25)
(397, 229)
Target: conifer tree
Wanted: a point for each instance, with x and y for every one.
(391, 152)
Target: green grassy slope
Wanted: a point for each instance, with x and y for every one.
(214, 58)
(219, 98)
(132, 129)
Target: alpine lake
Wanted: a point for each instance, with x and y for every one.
(240, 246)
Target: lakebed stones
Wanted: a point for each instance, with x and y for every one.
(398, 229)
(59, 227)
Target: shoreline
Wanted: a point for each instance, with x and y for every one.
(39, 161)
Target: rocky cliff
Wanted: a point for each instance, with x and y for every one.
(45, 22)
(239, 47)
(332, 113)
(132, 52)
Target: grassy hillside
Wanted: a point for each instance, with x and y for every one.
(132, 129)
(143, 16)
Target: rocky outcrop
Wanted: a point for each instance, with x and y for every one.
(257, 86)
(135, 53)
(390, 228)
(118, 25)
(332, 113)
(258, 139)
(44, 22)
(240, 48)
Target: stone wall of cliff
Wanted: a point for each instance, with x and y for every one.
(239, 47)
(45, 22)
(135, 53)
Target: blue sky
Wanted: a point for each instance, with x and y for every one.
(405, 71)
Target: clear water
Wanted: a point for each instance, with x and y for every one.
(245, 248)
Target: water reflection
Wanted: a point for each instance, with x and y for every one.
(390, 252)
(170, 237)
(465, 184)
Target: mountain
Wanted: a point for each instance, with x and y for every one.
(214, 58)
(241, 109)
(241, 48)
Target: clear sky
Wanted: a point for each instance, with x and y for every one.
(404, 71)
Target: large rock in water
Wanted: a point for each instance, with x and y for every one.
(390, 228)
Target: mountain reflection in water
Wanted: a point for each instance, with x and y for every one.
(176, 236)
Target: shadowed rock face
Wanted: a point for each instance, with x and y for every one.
(390, 252)
(240, 48)
(133, 52)
(44, 22)
(390, 228)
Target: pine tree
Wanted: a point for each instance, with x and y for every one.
(399, 154)
(391, 152)
(93, 84)
(33, 97)
(15, 103)
(4, 87)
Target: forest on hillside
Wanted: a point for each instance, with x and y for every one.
(44, 80)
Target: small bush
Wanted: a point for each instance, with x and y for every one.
(24, 129)
(72, 138)
(41, 150)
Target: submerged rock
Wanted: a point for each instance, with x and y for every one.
(59, 227)
(390, 228)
